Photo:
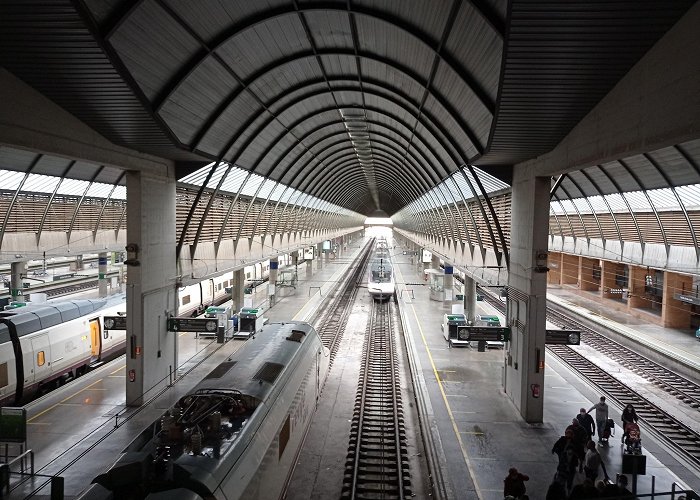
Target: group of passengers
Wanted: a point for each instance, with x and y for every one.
(579, 462)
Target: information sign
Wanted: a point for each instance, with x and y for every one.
(204, 325)
(114, 322)
(487, 333)
(566, 337)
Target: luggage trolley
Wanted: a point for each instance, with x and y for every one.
(250, 321)
(449, 325)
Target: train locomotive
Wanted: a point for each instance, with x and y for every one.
(237, 434)
(380, 281)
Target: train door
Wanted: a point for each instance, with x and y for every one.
(41, 354)
(95, 340)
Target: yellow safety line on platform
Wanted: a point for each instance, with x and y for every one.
(63, 400)
(449, 409)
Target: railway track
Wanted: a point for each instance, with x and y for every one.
(377, 464)
(330, 324)
(680, 438)
(685, 390)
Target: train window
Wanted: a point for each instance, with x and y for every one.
(218, 287)
(284, 436)
(40, 358)
(185, 300)
(3, 375)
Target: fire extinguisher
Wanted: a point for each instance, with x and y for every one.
(132, 375)
(535, 388)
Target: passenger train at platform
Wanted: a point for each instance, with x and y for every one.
(43, 345)
(235, 435)
(380, 279)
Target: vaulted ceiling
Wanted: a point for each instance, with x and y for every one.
(365, 104)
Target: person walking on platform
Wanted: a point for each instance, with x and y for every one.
(601, 415)
(586, 422)
(629, 416)
(514, 483)
(591, 463)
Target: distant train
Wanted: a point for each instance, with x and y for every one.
(235, 435)
(44, 345)
(380, 279)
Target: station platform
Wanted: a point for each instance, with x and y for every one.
(77, 432)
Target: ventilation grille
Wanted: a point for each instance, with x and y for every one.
(296, 336)
(268, 372)
(220, 370)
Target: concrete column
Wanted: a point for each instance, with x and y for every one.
(319, 255)
(637, 292)
(309, 269)
(272, 280)
(237, 287)
(102, 281)
(18, 270)
(554, 274)
(469, 298)
(151, 293)
(586, 278)
(449, 283)
(527, 284)
(674, 313)
(569, 269)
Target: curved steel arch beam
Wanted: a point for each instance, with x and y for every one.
(471, 216)
(693, 235)
(291, 148)
(209, 50)
(104, 206)
(477, 199)
(315, 180)
(188, 220)
(643, 189)
(34, 163)
(432, 127)
(383, 135)
(590, 205)
(624, 198)
(568, 219)
(51, 198)
(612, 214)
(387, 162)
(578, 212)
(380, 148)
(80, 202)
(450, 111)
(494, 216)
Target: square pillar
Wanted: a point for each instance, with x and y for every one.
(588, 274)
(527, 299)
(674, 313)
(569, 269)
(637, 289)
(554, 274)
(151, 292)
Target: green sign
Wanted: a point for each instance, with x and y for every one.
(13, 425)
(203, 325)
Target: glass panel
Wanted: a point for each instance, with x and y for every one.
(663, 199)
(72, 187)
(9, 180)
(690, 195)
(197, 177)
(41, 183)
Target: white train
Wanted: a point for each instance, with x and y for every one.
(380, 280)
(42, 345)
(235, 435)
(46, 344)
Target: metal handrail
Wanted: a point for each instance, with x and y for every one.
(5, 469)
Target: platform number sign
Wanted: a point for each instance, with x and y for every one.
(201, 325)
(562, 337)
